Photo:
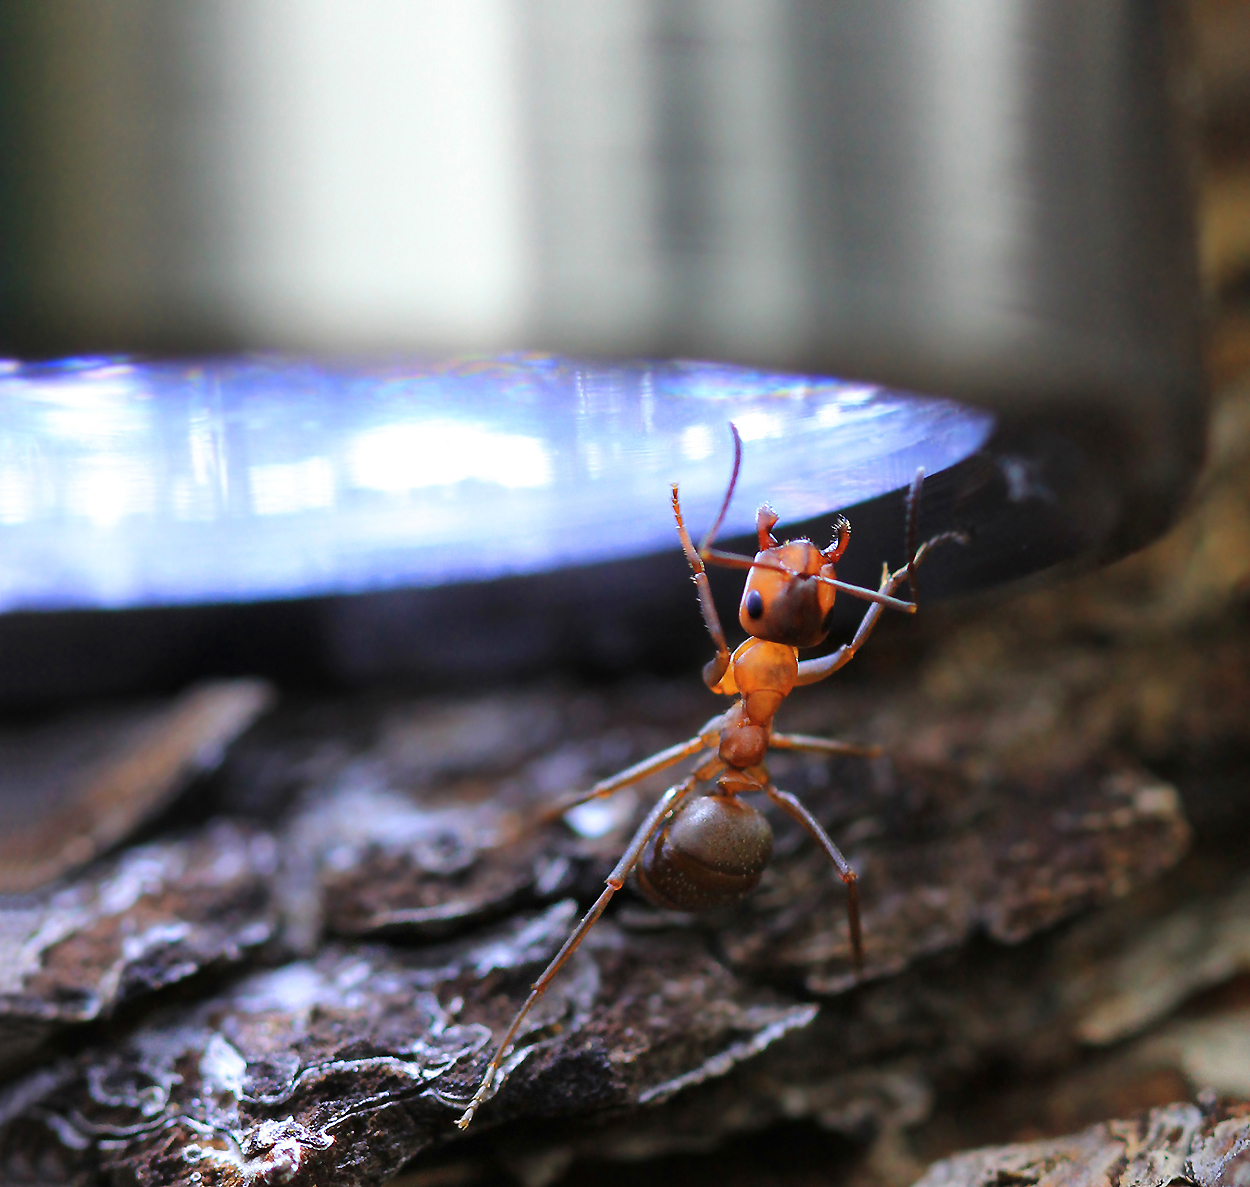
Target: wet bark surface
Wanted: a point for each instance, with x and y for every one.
(154, 916)
(1179, 1144)
(73, 787)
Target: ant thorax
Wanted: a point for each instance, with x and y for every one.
(763, 673)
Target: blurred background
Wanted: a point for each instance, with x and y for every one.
(989, 203)
(750, 181)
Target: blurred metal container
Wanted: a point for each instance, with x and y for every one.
(984, 199)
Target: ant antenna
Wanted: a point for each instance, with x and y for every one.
(729, 494)
(731, 560)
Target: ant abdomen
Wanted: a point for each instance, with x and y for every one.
(711, 854)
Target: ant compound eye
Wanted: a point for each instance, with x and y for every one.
(755, 604)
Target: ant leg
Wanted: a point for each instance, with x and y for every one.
(956, 537)
(821, 745)
(615, 880)
(909, 533)
(916, 555)
(714, 669)
(635, 774)
(811, 670)
(790, 805)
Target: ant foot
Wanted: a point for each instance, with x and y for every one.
(479, 1098)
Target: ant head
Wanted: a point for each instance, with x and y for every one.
(790, 587)
(788, 607)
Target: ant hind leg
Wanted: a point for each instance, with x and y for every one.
(615, 880)
(792, 807)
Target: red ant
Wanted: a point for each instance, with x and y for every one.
(694, 853)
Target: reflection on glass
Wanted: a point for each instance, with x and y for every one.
(411, 454)
(134, 483)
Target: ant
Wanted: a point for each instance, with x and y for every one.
(698, 852)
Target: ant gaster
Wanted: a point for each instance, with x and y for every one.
(697, 852)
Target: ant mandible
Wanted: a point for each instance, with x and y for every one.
(697, 852)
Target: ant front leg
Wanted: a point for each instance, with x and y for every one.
(792, 807)
(715, 668)
(916, 555)
(615, 880)
(812, 670)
